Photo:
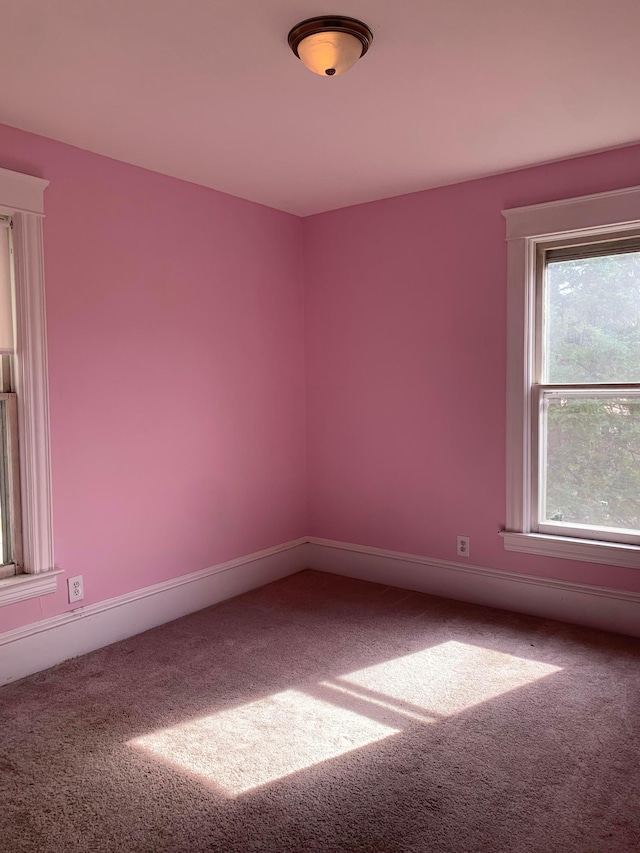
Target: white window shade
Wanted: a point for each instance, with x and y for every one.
(6, 297)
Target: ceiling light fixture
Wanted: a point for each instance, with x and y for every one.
(330, 44)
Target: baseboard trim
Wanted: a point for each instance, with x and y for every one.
(40, 645)
(579, 604)
(35, 647)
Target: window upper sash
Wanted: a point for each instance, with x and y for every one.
(6, 288)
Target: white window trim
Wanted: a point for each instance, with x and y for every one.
(527, 227)
(22, 197)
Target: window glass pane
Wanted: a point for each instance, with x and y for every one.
(6, 310)
(592, 319)
(5, 539)
(592, 461)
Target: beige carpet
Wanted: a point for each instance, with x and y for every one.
(325, 714)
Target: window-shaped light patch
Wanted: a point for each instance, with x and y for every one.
(248, 746)
(445, 679)
(243, 748)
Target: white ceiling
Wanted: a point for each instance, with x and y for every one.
(209, 91)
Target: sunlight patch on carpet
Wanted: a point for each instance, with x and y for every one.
(445, 679)
(245, 747)
(254, 744)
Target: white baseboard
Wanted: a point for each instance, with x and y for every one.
(48, 642)
(36, 647)
(579, 604)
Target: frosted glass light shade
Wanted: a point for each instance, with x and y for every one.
(330, 53)
(331, 44)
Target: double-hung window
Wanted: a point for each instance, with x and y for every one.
(573, 427)
(27, 568)
(11, 561)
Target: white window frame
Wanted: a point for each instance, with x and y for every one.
(527, 228)
(22, 198)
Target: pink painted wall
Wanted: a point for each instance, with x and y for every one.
(405, 338)
(175, 324)
(177, 330)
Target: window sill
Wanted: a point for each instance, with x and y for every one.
(584, 550)
(22, 587)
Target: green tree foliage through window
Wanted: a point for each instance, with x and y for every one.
(593, 319)
(592, 336)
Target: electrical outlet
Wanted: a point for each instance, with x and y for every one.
(463, 546)
(76, 589)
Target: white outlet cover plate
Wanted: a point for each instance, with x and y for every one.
(463, 546)
(75, 587)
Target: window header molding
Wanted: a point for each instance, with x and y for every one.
(597, 212)
(21, 193)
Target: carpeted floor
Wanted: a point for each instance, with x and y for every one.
(326, 714)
